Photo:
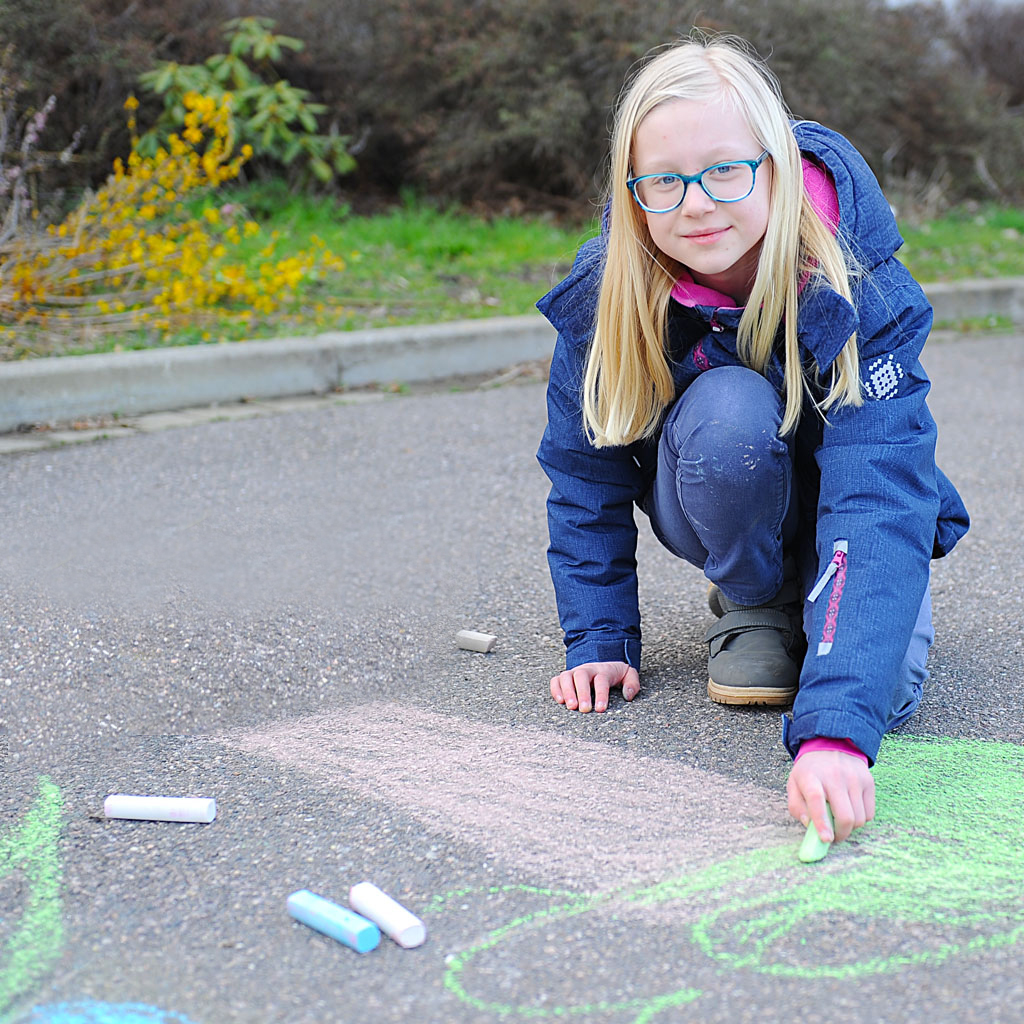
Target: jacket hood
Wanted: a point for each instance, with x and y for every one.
(866, 221)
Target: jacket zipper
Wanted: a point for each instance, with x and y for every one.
(835, 571)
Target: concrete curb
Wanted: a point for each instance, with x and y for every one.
(132, 384)
(155, 380)
(967, 300)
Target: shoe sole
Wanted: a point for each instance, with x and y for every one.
(765, 696)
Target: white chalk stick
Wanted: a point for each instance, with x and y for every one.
(160, 808)
(470, 641)
(389, 915)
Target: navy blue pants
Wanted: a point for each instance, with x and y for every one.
(722, 500)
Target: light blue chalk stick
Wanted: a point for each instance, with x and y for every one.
(814, 847)
(339, 923)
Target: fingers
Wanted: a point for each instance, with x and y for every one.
(841, 781)
(581, 678)
(563, 690)
(808, 803)
(572, 688)
(603, 681)
(556, 689)
(602, 684)
(869, 802)
(587, 687)
(631, 684)
(850, 810)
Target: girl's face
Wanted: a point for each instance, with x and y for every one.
(718, 242)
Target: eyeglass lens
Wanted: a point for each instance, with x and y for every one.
(726, 182)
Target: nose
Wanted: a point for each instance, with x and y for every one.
(696, 201)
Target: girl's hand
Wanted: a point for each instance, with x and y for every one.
(572, 687)
(839, 778)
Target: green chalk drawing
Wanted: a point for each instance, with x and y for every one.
(944, 855)
(573, 903)
(29, 854)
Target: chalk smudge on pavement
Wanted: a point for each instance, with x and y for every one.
(934, 878)
(521, 794)
(31, 930)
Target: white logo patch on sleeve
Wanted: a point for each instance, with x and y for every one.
(883, 377)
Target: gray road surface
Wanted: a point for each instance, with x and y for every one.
(263, 611)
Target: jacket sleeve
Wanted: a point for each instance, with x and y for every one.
(876, 523)
(592, 552)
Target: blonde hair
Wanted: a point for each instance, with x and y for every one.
(628, 383)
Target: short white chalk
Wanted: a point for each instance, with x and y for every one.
(160, 808)
(337, 922)
(392, 918)
(470, 641)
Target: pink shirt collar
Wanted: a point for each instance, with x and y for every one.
(687, 292)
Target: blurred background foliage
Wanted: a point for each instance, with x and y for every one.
(505, 104)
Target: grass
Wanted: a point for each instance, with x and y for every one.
(965, 243)
(417, 263)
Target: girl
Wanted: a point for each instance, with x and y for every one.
(738, 356)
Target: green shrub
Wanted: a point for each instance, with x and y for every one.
(277, 119)
(507, 102)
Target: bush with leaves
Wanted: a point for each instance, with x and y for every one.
(275, 118)
(143, 254)
(508, 102)
(503, 98)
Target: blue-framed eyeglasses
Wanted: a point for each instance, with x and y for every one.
(724, 183)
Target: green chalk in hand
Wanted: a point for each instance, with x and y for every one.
(813, 847)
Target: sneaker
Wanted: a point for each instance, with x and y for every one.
(756, 651)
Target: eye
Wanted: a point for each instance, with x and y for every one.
(722, 172)
(663, 182)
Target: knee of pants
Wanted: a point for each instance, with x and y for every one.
(727, 423)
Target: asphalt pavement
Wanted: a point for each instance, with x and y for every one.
(263, 610)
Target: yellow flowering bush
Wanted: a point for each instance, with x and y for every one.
(136, 254)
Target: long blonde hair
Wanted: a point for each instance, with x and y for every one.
(628, 383)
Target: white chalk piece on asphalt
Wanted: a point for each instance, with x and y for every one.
(160, 808)
(470, 641)
(336, 922)
(388, 914)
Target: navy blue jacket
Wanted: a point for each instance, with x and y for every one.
(867, 478)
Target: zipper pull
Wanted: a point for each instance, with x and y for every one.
(840, 548)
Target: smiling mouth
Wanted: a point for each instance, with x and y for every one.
(706, 236)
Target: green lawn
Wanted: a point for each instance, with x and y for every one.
(986, 242)
(419, 264)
